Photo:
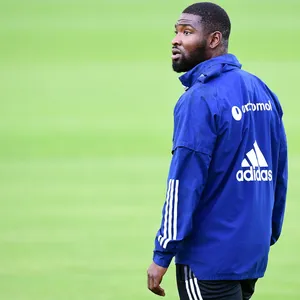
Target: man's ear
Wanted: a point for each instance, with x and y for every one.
(215, 39)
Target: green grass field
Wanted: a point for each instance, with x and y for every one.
(87, 94)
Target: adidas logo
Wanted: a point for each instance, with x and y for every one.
(254, 162)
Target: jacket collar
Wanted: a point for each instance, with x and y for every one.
(209, 69)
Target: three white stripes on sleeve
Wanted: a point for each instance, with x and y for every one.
(170, 233)
(170, 215)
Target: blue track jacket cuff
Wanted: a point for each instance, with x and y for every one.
(162, 259)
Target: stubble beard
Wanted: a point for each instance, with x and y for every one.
(184, 64)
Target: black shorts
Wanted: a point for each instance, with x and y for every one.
(190, 288)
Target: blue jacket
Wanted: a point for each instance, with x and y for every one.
(227, 183)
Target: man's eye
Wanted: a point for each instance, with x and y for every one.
(186, 32)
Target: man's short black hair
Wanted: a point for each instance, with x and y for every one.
(213, 17)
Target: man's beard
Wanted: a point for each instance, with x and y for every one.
(184, 64)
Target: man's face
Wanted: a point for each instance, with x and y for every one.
(189, 44)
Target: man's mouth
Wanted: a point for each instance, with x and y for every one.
(175, 54)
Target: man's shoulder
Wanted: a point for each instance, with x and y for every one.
(222, 91)
(196, 98)
(243, 77)
(218, 85)
(197, 94)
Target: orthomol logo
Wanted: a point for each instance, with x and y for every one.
(237, 112)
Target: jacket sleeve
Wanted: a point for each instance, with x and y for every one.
(280, 189)
(186, 181)
(193, 144)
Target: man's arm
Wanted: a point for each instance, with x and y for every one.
(186, 180)
(193, 144)
(280, 189)
(187, 177)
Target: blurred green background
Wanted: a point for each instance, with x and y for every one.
(87, 94)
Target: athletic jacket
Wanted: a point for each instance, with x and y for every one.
(226, 189)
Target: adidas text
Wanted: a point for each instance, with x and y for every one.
(254, 175)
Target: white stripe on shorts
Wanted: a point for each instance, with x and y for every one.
(191, 280)
(197, 289)
(186, 279)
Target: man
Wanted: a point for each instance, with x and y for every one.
(227, 182)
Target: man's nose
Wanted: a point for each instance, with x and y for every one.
(176, 40)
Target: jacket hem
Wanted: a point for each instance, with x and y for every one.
(229, 277)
